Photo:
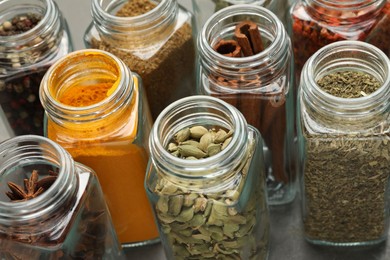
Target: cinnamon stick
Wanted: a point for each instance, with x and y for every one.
(248, 37)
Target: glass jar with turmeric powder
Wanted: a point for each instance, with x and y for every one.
(96, 109)
(154, 38)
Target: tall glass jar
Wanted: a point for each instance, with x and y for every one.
(68, 220)
(154, 39)
(258, 85)
(203, 9)
(96, 109)
(344, 148)
(317, 23)
(33, 35)
(213, 207)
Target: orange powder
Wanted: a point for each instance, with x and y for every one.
(82, 96)
(119, 163)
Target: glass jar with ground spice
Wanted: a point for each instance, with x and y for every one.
(96, 109)
(206, 182)
(50, 206)
(247, 63)
(153, 38)
(203, 9)
(344, 144)
(33, 35)
(316, 23)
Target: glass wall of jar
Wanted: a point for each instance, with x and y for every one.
(203, 9)
(344, 137)
(317, 23)
(51, 207)
(258, 84)
(206, 182)
(153, 38)
(33, 35)
(96, 109)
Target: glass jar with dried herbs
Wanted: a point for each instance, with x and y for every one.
(153, 38)
(96, 109)
(317, 23)
(50, 206)
(344, 144)
(33, 35)
(247, 63)
(206, 182)
(205, 8)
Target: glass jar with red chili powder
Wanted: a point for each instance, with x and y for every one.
(316, 23)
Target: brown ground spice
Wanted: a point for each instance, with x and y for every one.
(169, 74)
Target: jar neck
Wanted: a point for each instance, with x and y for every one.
(20, 154)
(86, 67)
(267, 65)
(135, 31)
(346, 113)
(217, 170)
(35, 45)
(344, 12)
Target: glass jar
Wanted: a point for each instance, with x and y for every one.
(203, 9)
(154, 39)
(69, 219)
(96, 109)
(33, 35)
(316, 23)
(258, 85)
(213, 207)
(344, 149)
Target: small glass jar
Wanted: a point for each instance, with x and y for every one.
(154, 39)
(25, 56)
(68, 220)
(258, 85)
(213, 207)
(96, 109)
(317, 23)
(344, 149)
(203, 9)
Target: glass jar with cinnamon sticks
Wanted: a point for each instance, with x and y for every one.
(96, 109)
(206, 182)
(245, 60)
(344, 145)
(51, 207)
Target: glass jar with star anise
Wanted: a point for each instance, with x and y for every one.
(33, 35)
(50, 206)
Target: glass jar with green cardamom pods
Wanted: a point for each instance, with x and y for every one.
(207, 191)
(344, 144)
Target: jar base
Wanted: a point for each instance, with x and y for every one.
(346, 244)
(280, 193)
(141, 243)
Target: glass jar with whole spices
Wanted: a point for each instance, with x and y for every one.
(316, 23)
(247, 63)
(344, 144)
(50, 206)
(96, 109)
(153, 38)
(206, 182)
(203, 9)
(33, 35)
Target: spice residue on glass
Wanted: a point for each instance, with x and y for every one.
(85, 95)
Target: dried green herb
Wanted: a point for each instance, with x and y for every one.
(349, 84)
(346, 184)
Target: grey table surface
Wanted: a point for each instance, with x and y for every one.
(286, 239)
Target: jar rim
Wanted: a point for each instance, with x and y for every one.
(197, 169)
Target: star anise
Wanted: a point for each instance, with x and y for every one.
(32, 187)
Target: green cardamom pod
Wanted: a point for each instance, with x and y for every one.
(198, 131)
(162, 204)
(172, 147)
(185, 215)
(220, 136)
(189, 150)
(189, 199)
(175, 204)
(213, 149)
(226, 143)
(205, 140)
(190, 142)
(200, 204)
(182, 135)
